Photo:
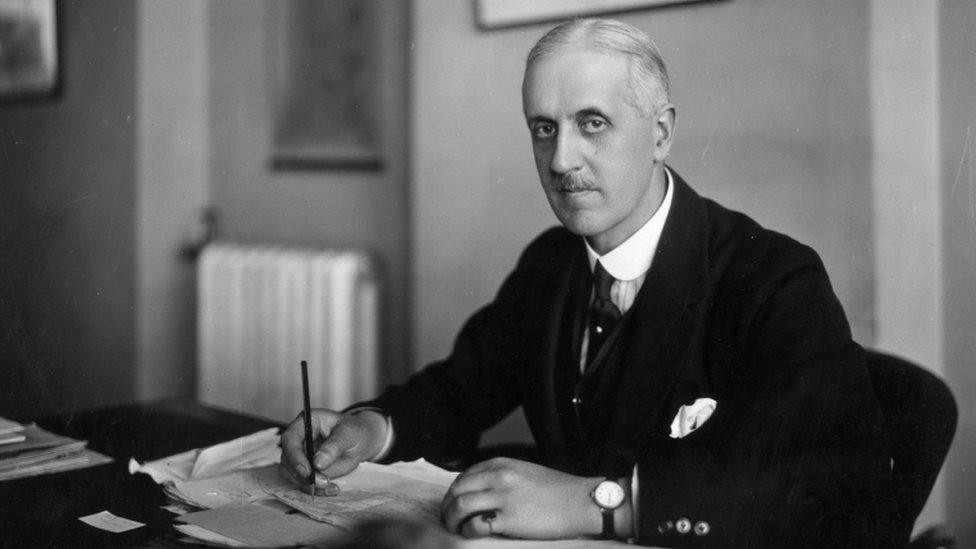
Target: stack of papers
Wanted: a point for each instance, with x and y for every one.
(11, 432)
(28, 450)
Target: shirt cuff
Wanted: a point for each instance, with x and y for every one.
(388, 440)
(635, 504)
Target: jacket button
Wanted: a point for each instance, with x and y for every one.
(665, 527)
(682, 526)
(702, 528)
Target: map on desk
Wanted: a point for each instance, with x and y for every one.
(371, 492)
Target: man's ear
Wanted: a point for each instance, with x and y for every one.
(664, 128)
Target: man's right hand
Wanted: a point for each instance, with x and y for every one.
(342, 442)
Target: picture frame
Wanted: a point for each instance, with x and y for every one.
(326, 62)
(30, 65)
(495, 14)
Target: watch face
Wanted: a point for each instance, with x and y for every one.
(608, 494)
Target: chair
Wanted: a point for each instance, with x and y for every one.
(921, 416)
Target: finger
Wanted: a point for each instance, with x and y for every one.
(481, 524)
(459, 508)
(341, 467)
(325, 487)
(472, 481)
(466, 482)
(293, 440)
(329, 456)
(293, 449)
(492, 464)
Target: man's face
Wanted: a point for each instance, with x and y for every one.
(597, 157)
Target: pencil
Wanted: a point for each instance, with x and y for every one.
(309, 441)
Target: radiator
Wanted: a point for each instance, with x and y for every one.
(262, 310)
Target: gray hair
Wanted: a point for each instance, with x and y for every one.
(650, 88)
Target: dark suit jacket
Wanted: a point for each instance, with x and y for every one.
(795, 451)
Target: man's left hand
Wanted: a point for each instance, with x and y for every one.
(518, 499)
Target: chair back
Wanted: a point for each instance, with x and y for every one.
(921, 415)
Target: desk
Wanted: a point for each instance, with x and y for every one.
(43, 511)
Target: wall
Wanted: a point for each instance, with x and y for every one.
(773, 119)
(66, 225)
(957, 120)
(172, 188)
(335, 208)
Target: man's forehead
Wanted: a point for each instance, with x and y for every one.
(573, 80)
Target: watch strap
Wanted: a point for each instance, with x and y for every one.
(609, 531)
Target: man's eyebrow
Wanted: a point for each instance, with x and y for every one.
(537, 118)
(590, 111)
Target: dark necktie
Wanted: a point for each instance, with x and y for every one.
(603, 313)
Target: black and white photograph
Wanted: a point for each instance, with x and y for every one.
(488, 274)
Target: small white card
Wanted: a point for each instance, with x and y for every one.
(108, 521)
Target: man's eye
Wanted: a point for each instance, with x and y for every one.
(543, 131)
(594, 125)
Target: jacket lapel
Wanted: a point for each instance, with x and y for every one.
(658, 342)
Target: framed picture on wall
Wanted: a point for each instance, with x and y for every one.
(325, 75)
(28, 49)
(492, 14)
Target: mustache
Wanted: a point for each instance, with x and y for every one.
(573, 182)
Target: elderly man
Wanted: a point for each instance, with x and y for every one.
(688, 376)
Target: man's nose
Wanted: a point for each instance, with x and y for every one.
(566, 157)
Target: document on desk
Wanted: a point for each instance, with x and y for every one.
(250, 505)
(256, 526)
(400, 491)
(405, 491)
(239, 487)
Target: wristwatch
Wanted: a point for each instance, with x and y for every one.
(608, 495)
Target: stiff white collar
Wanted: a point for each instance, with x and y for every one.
(633, 257)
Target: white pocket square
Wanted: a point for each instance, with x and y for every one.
(691, 417)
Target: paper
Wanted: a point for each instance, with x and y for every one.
(177, 508)
(198, 534)
(411, 491)
(69, 462)
(167, 469)
(8, 426)
(243, 486)
(254, 450)
(260, 526)
(496, 542)
(108, 521)
(10, 438)
(37, 439)
(260, 448)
